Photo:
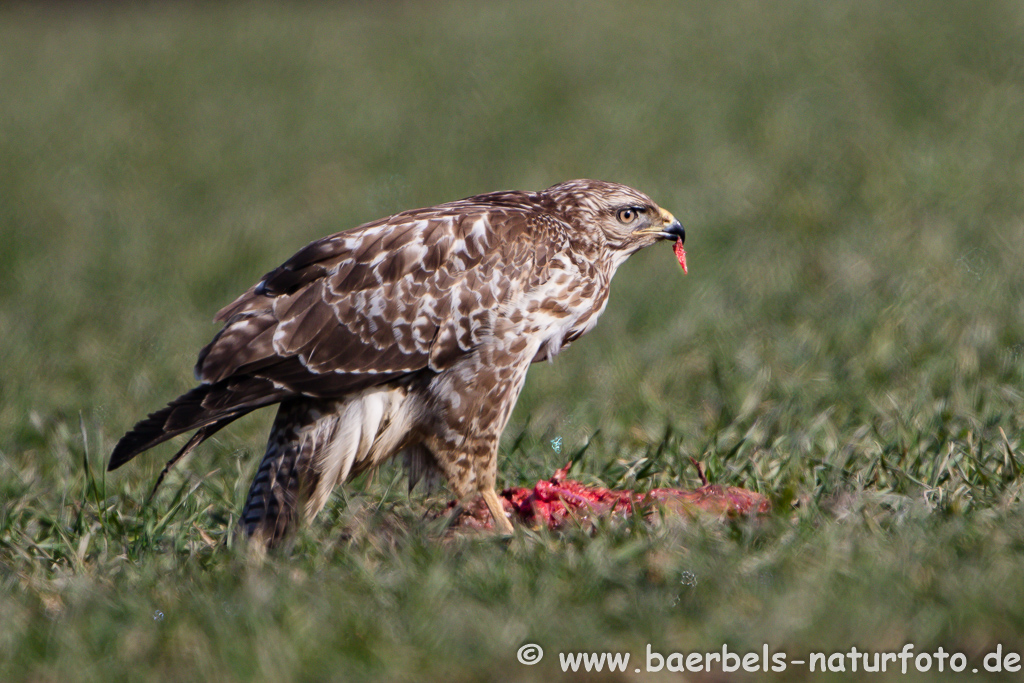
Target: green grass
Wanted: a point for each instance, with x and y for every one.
(849, 342)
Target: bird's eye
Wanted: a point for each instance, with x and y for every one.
(628, 215)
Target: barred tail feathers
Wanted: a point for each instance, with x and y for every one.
(314, 446)
(286, 472)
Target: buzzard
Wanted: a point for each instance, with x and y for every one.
(410, 334)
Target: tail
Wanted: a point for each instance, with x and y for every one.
(314, 445)
(209, 407)
(287, 474)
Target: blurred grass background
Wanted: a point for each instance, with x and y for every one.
(850, 340)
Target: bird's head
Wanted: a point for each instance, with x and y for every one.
(625, 219)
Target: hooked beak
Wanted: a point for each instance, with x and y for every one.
(673, 231)
(670, 229)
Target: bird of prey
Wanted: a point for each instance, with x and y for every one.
(410, 334)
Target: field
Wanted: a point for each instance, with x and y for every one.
(849, 341)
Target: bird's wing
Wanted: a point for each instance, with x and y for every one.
(413, 291)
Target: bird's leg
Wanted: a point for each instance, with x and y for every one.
(501, 520)
(472, 402)
(471, 468)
